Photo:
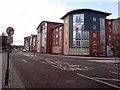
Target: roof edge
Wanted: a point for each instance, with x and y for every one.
(48, 22)
(57, 26)
(107, 14)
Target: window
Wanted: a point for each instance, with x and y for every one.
(94, 27)
(56, 36)
(45, 24)
(78, 18)
(109, 44)
(43, 27)
(66, 35)
(77, 43)
(109, 29)
(56, 42)
(94, 34)
(66, 28)
(80, 37)
(109, 37)
(45, 30)
(60, 33)
(53, 36)
(94, 43)
(56, 29)
(109, 22)
(45, 36)
(60, 28)
(60, 41)
(53, 42)
(66, 20)
(94, 19)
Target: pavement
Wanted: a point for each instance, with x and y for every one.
(15, 81)
(105, 61)
(0, 71)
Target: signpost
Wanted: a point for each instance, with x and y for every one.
(10, 32)
(10, 39)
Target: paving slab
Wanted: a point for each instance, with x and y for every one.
(14, 80)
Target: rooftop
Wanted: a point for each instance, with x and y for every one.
(47, 22)
(77, 10)
(58, 26)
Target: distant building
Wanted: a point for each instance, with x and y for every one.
(30, 43)
(3, 42)
(27, 43)
(113, 36)
(116, 35)
(44, 36)
(33, 43)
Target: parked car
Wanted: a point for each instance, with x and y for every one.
(24, 50)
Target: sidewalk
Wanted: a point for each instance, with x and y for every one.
(14, 80)
(105, 61)
(84, 57)
(0, 71)
(93, 59)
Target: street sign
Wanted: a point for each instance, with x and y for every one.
(10, 31)
(10, 39)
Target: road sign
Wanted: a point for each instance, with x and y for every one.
(10, 39)
(10, 31)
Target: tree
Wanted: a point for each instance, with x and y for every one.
(3, 34)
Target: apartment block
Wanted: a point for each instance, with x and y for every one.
(44, 36)
(27, 43)
(84, 32)
(33, 43)
(116, 36)
(57, 39)
(30, 43)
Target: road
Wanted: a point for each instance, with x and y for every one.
(52, 71)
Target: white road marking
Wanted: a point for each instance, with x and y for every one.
(114, 72)
(24, 60)
(98, 80)
(104, 61)
(110, 67)
(108, 79)
(82, 57)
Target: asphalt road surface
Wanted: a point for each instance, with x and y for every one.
(51, 71)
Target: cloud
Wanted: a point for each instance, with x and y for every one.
(77, 1)
(25, 15)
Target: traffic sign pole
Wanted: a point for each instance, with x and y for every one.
(10, 32)
(7, 70)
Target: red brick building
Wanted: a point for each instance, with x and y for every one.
(57, 39)
(116, 36)
(44, 39)
(27, 43)
(94, 41)
(85, 32)
(109, 37)
(33, 43)
(30, 43)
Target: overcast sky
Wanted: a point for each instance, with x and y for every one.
(25, 15)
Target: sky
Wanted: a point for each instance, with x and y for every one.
(25, 15)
